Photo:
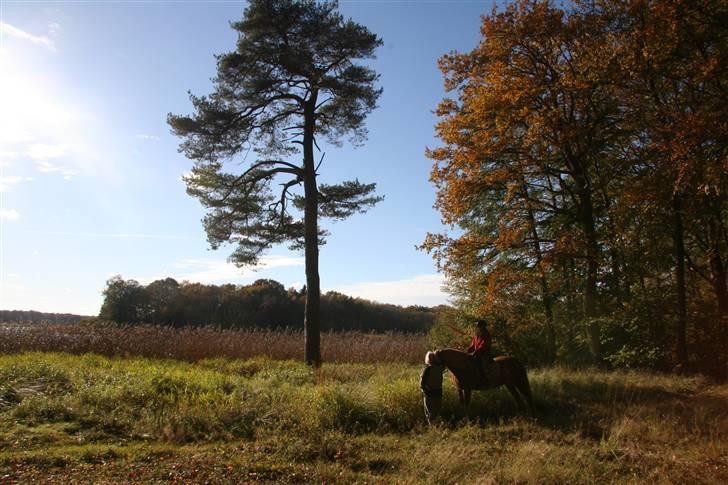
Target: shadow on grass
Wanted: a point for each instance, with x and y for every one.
(586, 407)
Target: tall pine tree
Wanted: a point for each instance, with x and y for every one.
(291, 81)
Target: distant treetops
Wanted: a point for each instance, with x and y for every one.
(262, 304)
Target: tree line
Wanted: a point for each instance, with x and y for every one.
(584, 166)
(38, 317)
(264, 304)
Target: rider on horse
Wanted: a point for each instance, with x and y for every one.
(480, 348)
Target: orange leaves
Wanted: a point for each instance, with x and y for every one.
(519, 147)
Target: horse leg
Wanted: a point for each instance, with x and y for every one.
(516, 396)
(464, 395)
(467, 393)
(525, 388)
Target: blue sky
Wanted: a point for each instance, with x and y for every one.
(90, 176)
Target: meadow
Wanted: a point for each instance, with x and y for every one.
(84, 417)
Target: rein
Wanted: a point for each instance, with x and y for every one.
(455, 329)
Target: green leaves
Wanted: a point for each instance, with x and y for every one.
(292, 78)
(343, 200)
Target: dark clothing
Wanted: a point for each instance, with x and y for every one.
(431, 381)
(431, 385)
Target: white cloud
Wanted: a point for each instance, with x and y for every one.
(117, 235)
(45, 151)
(54, 28)
(423, 290)
(220, 271)
(17, 33)
(9, 215)
(8, 181)
(47, 167)
(6, 156)
(142, 136)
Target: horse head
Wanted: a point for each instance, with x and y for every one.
(431, 358)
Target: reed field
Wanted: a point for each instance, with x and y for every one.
(195, 343)
(125, 418)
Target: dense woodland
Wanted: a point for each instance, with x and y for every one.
(584, 170)
(262, 304)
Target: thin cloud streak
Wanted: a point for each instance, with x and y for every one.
(142, 136)
(117, 235)
(19, 34)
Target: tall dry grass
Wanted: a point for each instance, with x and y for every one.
(193, 344)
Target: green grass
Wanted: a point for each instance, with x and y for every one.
(94, 418)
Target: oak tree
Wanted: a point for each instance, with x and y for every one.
(673, 75)
(524, 148)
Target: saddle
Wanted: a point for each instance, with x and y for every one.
(488, 377)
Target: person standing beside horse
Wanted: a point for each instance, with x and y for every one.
(480, 348)
(431, 386)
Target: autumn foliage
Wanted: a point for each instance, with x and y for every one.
(583, 170)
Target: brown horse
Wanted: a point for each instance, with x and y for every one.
(504, 370)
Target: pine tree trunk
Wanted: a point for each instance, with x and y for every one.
(311, 321)
(679, 241)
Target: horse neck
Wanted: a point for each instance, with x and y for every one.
(455, 361)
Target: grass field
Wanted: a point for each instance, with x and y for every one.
(90, 418)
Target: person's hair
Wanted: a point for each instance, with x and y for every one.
(481, 323)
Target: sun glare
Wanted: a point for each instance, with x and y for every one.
(31, 112)
(40, 125)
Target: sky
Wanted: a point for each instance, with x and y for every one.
(91, 179)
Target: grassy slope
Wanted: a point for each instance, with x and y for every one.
(92, 418)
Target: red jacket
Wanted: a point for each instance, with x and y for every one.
(480, 347)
